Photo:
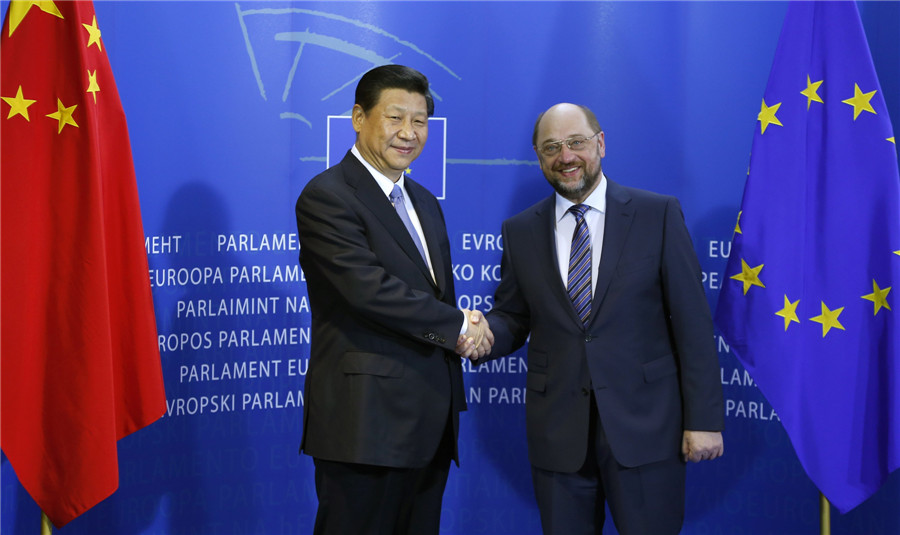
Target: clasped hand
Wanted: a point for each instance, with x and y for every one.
(478, 339)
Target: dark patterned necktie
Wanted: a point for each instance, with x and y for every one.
(579, 281)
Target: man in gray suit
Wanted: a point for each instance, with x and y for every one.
(623, 376)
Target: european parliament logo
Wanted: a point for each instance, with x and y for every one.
(286, 47)
(350, 47)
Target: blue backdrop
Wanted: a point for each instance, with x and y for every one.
(228, 108)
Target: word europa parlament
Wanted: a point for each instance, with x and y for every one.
(197, 276)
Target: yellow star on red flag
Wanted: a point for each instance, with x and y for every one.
(19, 8)
(18, 105)
(93, 33)
(63, 114)
(93, 87)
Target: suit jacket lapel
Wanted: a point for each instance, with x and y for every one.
(430, 227)
(619, 215)
(545, 238)
(368, 192)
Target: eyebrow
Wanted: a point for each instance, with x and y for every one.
(570, 136)
(403, 109)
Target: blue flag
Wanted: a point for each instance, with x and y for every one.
(809, 306)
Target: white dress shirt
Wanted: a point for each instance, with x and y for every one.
(595, 218)
(387, 185)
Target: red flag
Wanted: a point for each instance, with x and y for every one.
(80, 361)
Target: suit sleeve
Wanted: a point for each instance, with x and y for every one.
(334, 243)
(509, 319)
(690, 326)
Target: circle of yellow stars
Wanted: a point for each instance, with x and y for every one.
(749, 276)
(828, 318)
(860, 102)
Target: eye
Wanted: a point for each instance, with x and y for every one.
(551, 148)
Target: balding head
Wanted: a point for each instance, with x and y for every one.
(565, 109)
(569, 145)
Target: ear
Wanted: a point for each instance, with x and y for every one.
(358, 117)
(601, 139)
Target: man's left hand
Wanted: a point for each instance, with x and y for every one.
(702, 445)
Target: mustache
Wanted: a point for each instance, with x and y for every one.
(560, 167)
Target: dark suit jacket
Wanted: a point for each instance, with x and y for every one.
(383, 378)
(648, 351)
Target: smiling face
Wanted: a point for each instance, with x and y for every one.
(573, 174)
(392, 134)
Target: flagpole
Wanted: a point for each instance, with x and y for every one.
(824, 515)
(46, 526)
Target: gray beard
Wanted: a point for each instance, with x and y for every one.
(579, 190)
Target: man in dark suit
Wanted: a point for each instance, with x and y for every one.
(384, 386)
(623, 376)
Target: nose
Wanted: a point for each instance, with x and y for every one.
(406, 130)
(566, 154)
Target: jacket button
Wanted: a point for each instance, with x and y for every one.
(585, 392)
(588, 338)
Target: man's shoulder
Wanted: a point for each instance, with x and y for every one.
(531, 214)
(335, 177)
(641, 197)
(645, 194)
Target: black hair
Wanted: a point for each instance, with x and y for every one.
(370, 86)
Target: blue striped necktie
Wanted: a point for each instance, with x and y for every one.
(579, 281)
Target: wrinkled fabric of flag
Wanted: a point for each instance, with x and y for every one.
(80, 361)
(809, 307)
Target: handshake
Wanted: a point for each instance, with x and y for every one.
(478, 339)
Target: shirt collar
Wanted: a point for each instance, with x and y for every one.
(596, 200)
(385, 183)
